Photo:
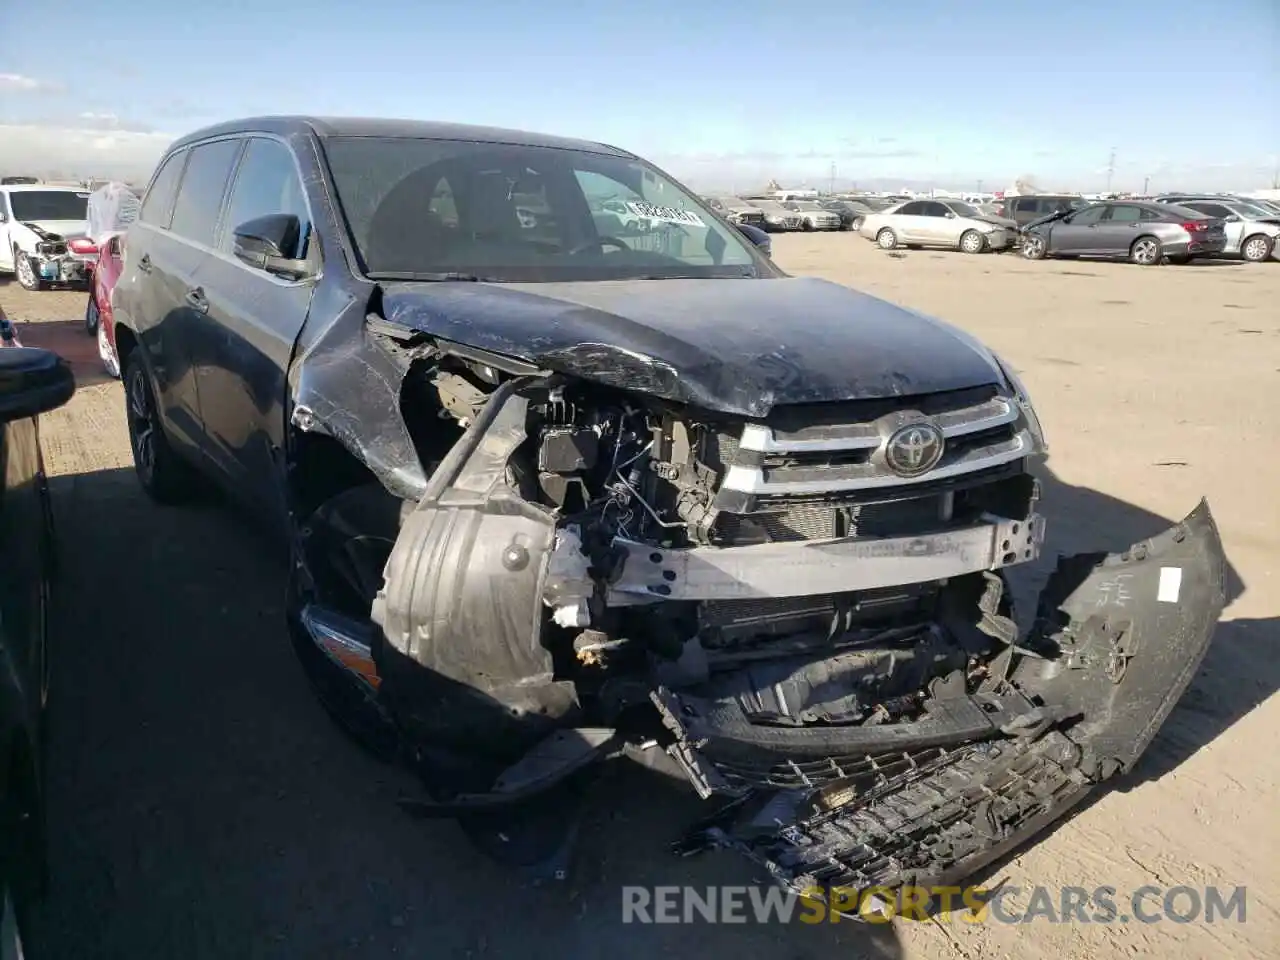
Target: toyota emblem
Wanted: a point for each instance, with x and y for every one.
(914, 449)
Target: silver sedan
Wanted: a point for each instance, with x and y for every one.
(932, 223)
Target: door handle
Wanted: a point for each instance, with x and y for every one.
(196, 299)
(145, 263)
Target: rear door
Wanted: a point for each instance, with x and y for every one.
(254, 318)
(1122, 225)
(176, 257)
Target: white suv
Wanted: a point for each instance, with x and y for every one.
(43, 234)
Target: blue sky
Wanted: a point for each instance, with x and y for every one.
(721, 92)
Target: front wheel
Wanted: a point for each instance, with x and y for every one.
(1034, 247)
(28, 279)
(164, 475)
(1257, 248)
(92, 317)
(971, 241)
(887, 239)
(1146, 252)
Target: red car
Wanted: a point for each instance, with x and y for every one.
(98, 318)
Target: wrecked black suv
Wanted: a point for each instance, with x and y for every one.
(568, 471)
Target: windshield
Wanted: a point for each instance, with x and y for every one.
(49, 205)
(1250, 209)
(504, 212)
(963, 209)
(805, 205)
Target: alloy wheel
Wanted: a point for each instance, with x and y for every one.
(971, 242)
(142, 425)
(26, 275)
(1032, 247)
(1255, 249)
(886, 239)
(110, 362)
(1145, 252)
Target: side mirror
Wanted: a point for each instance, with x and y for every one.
(4, 217)
(949, 215)
(32, 382)
(271, 243)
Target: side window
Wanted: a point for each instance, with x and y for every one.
(1026, 205)
(915, 209)
(195, 212)
(935, 209)
(1150, 214)
(1212, 209)
(1089, 215)
(1124, 213)
(266, 183)
(157, 206)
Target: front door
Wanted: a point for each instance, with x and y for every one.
(1077, 232)
(254, 318)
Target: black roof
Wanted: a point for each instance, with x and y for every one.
(387, 127)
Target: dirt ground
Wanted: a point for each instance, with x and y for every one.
(202, 805)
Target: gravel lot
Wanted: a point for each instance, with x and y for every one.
(202, 805)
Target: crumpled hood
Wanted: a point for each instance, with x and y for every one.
(1005, 222)
(61, 229)
(735, 346)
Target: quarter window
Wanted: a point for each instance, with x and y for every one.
(267, 182)
(157, 206)
(195, 212)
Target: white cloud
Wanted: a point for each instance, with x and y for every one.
(16, 82)
(81, 150)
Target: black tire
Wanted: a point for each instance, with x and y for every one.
(886, 239)
(806, 225)
(28, 279)
(1146, 251)
(91, 316)
(164, 475)
(972, 241)
(1257, 248)
(1034, 247)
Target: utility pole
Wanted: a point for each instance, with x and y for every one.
(1146, 182)
(831, 186)
(1111, 168)
(979, 191)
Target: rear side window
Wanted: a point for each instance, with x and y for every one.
(1027, 205)
(195, 212)
(913, 209)
(1125, 214)
(267, 182)
(157, 206)
(1212, 209)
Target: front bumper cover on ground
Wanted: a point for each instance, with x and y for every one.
(1118, 639)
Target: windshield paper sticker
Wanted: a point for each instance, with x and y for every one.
(665, 214)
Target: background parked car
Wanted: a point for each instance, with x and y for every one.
(99, 318)
(776, 216)
(813, 215)
(1027, 209)
(43, 234)
(736, 210)
(962, 208)
(852, 212)
(32, 382)
(1252, 230)
(1140, 231)
(931, 223)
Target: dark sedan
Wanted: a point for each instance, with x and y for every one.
(32, 382)
(1143, 233)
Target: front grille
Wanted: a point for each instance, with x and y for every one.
(820, 449)
(822, 520)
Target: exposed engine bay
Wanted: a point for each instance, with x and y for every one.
(805, 616)
(59, 259)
